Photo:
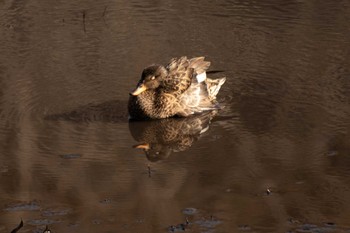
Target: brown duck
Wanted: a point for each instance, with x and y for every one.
(179, 89)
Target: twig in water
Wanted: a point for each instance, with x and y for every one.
(103, 15)
(104, 12)
(84, 15)
(149, 170)
(18, 227)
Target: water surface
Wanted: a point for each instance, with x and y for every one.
(274, 159)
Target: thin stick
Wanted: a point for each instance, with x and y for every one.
(103, 15)
(149, 170)
(84, 14)
(18, 227)
(104, 12)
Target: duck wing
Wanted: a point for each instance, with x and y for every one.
(199, 65)
(179, 76)
(197, 99)
(181, 73)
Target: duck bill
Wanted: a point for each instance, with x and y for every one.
(140, 88)
(144, 146)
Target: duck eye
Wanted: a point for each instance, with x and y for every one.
(153, 78)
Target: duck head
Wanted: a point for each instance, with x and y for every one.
(151, 78)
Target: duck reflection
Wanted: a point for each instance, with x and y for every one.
(159, 138)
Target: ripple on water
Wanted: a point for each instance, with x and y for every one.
(66, 70)
(39, 222)
(55, 212)
(31, 206)
(189, 211)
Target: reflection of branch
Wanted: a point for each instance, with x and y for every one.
(84, 21)
(103, 15)
(18, 227)
(104, 12)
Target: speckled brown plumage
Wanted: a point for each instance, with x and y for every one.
(174, 90)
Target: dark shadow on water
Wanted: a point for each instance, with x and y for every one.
(111, 111)
(159, 138)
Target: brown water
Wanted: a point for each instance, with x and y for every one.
(275, 159)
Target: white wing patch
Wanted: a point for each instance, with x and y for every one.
(201, 77)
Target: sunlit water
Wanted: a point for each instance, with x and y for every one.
(274, 159)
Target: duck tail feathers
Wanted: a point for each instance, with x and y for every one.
(199, 65)
(213, 86)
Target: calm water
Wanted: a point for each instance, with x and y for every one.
(275, 159)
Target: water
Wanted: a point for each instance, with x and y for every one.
(275, 159)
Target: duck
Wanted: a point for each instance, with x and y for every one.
(179, 89)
